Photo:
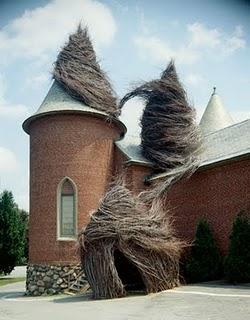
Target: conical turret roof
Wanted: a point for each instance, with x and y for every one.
(58, 100)
(215, 117)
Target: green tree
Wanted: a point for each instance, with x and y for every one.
(237, 262)
(12, 234)
(204, 263)
(24, 216)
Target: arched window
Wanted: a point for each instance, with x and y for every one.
(67, 209)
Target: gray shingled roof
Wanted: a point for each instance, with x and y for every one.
(130, 146)
(224, 144)
(58, 100)
(227, 143)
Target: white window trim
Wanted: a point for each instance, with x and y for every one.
(59, 191)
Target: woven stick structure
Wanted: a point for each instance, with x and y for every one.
(170, 138)
(139, 227)
(143, 235)
(78, 71)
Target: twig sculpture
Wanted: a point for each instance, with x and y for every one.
(137, 227)
(78, 71)
(143, 235)
(170, 138)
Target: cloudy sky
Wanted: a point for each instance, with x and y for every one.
(134, 40)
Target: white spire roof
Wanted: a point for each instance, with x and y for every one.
(215, 116)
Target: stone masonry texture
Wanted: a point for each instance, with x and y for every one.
(49, 279)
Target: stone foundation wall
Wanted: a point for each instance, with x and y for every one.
(49, 279)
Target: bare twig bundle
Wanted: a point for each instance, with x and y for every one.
(169, 137)
(144, 235)
(78, 71)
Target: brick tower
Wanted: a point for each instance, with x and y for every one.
(71, 159)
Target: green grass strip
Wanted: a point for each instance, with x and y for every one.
(4, 281)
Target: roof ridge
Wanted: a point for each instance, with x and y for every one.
(230, 126)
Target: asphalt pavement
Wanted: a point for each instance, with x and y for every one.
(18, 272)
(192, 302)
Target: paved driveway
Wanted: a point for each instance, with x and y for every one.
(18, 272)
(197, 302)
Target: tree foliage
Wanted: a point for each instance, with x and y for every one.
(24, 216)
(12, 233)
(237, 262)
(204, 263)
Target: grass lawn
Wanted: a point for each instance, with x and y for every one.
(4, 281)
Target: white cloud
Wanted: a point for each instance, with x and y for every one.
(131, 114)
(8, 161)
(21, 190)
(234, 43)
(39, 31)
(38, 80)
(2, 86)
(153, 48)
(202, 36)
(223, 43)
(22, 199)
(199, 41)
(9, 110)
(175, 23)
(194, 79)
(13, 110)
(199, 112)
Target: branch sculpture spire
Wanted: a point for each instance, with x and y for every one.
(79, 73)
(169, 135)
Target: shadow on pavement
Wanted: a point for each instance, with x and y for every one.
(70, 299)
(12, 294)
(220, 284)
(87, 297)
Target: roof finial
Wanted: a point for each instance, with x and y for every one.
(214, 92)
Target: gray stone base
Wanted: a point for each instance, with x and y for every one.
(49, 279)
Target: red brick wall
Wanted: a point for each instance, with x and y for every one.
(80, 147)
(135, 177)
(217, 194)
(119, 166)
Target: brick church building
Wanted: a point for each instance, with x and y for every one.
(74, 151)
